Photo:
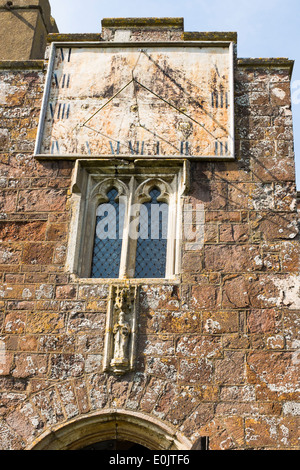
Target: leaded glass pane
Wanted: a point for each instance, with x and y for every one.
(108, 239)
(151, 252)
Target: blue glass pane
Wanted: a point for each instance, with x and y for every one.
(108, 239)
(151, 252)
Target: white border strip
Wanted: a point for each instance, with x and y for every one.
(40, 131)
(231, 85)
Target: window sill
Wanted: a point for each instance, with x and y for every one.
(125, 282)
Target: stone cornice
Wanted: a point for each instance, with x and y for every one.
(71, 37)
(210, 36)
(144, 23)
(21, 64)
(279, 63)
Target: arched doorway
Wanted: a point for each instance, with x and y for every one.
(116, 444)
(114, 427)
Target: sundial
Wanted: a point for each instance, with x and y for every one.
(128, 100)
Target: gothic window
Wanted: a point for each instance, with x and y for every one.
(126, 224)
(147, 237)
(108, 238)
(151, 249)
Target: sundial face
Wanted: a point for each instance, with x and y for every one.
(155, 101)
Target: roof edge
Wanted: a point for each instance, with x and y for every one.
(210, 36)
(151, 22)
(74, 37)
(21, 64)
(278, 62)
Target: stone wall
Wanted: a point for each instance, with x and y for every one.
(24, 28)
(218, 354)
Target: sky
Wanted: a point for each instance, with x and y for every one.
(266, 28)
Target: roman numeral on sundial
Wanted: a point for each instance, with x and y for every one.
(65, 55)
(184, 148)
(221, 148)
(138, 150)
(115, 151)
(63, 82)
(54, 147)
(60, 111)
(219, 99)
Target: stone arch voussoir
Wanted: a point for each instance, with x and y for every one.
(112, 424)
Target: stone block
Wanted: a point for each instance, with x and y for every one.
(45, 323)
(152, 391)
(22, 231)
(257, 291)
(226, 433)
(271, 433)
(8, 202)
(278, 370)
(192, 262)
(57, 232)
(68, 400)
(232, 258)
(64, 366)
(205, 295)
(49, 406)
(9, 255)
(212, 194)
(234, 233)
(25, 422)
(220, 322)
(162, 367)
(82, 395)
(15, 323)
(44, 200)
(156, 345)
(166, 297)
(275, 226)
(231, 370)
(38, 253)
(280, 94)
(170, 322)
(6, 362)
(30, 365)
(266, 169)
(190, 346)
(195, 371)
(66, 292)
(290, 256)
(262, 321)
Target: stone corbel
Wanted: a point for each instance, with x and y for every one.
(121, 330)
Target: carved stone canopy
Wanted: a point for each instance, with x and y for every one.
(121, 330)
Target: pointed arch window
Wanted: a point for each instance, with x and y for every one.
(147, 246)
(108, 238)
(127, 224)
(151, 248)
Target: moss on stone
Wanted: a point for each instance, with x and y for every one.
(123, 23)
(58, 37)
(275, 62)
(21, 64)
(210, 36)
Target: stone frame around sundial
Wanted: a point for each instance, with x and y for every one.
(138, 116)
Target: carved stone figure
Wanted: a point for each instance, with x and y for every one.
(121, 334)
(121, 330)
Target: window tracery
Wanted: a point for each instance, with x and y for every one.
(126, 221)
